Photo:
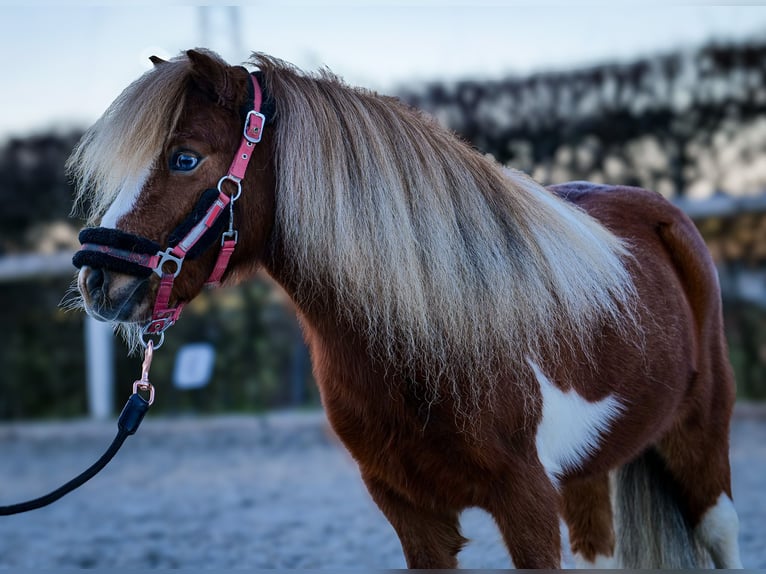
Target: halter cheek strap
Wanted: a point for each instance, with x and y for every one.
(171, 260)
(128, 253)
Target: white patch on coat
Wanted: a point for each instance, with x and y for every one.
(125, 200)
(600, 563)
(571, 427)
(718, 531)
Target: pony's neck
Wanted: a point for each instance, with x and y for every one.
(427, 247)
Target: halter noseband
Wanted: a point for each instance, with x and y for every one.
(127, 253)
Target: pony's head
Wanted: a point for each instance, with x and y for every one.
(150, 167)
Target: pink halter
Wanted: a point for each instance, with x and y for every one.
(163, 316)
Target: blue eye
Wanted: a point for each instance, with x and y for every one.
(184, 161)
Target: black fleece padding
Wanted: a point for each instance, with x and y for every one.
(207, 199)
(118, 239)
(99, 260)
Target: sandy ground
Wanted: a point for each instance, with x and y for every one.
(247, 492)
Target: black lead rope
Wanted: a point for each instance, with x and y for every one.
(130, 418)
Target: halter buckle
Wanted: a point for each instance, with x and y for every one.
(165, 257)
(231, 234)
(254, 122)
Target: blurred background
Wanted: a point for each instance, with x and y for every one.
(668, 98)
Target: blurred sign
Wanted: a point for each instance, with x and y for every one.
(194, 366)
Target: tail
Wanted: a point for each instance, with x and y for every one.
(650, 530)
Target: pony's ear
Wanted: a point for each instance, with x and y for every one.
(156, 60)
(224, 84)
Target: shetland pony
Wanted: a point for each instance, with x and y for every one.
(478, 340)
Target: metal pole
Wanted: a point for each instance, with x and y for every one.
(99, 353)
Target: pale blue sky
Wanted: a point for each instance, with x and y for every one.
(62, 64)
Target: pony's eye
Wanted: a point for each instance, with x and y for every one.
(184, 161)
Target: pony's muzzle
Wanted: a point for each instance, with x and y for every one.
(113, 296)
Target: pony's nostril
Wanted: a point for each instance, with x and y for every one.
(95, 280)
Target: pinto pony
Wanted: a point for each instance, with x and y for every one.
(478, 340)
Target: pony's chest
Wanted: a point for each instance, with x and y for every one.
(423, 456)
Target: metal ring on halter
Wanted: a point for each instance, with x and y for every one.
(236, 180)
(145, 343)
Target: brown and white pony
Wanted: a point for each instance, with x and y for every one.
(478, 340)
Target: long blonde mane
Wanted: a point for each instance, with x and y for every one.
(441, 254)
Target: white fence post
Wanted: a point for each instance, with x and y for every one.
(99, 353)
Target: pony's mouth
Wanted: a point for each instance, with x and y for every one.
(114, 297)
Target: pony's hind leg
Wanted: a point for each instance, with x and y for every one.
(718, 531)
(700, 465)
(430, 538)
(696, 452)
(587, 511)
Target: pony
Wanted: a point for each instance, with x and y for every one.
(478, 340)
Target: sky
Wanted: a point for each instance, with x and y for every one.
(62, 64)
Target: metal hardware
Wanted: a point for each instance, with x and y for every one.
(147, 331)
(257, 129)
(230, 234)
(143, 383)
(147, 364)
(144, 388)
(165, 257)
(237, 181)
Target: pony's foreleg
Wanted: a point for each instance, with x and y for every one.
(526, 511)
(430, 538)
(587, 511)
